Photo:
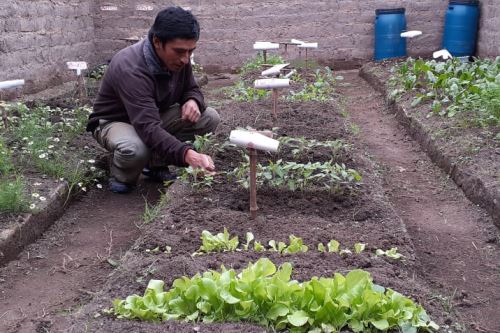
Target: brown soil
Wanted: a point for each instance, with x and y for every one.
(451, 246)
(61, 272)
(456, 243)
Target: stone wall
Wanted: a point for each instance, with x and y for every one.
(38, 37)
(344, 29)
(489, 29)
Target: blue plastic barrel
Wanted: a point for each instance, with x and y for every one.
(460, 28)
(389, 24)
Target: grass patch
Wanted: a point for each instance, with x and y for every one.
(12, 196)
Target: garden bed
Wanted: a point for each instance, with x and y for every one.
(470, 154)
(316, 215)
(47, 160)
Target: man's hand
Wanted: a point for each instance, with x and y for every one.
(200, 161)
(190, 111)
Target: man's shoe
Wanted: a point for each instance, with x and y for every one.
(159, 174)
(118, 187)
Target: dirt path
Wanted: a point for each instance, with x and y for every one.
(59, 273)
(456, 242)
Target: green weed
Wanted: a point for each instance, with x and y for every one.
(153, 211)
(12, 197)
(256, 63)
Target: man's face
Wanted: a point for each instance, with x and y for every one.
(174, 54)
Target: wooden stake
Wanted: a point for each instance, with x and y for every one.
(5, 117)
(275, 103)
(253, 183)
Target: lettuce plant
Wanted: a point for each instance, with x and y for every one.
(267, 295)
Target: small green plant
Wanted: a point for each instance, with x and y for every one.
(295, 245)
(359, 247)
(243, 92)
(391, 253)
(333, 246)
(12, 197)
(301, 146)
(220, 242)
(6, 163)
(197, 178)
(206, 144)
(153, 211)
(299, 176)
(256, 63)
(321, 89)
(490, 102)
(97, 72)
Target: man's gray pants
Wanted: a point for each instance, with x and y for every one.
(130, 155)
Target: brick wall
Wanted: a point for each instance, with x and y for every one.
(38, 37)
(344, 29)
(489, 29)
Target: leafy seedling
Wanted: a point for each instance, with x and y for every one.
(391, 253)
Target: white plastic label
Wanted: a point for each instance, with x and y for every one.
(271, 83)
(411, 34)
(308, 46)
(11, 84)
(144, 8)
(253, 140)
(274, 70)
(77, 65)
(265, 46)
(109, 8)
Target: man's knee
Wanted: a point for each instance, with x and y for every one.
(131, 154)
(211, 119)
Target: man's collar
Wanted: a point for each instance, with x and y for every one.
(152, 61)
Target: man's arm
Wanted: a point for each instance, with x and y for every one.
(191, 90)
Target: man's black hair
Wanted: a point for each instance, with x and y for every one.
(172, 23)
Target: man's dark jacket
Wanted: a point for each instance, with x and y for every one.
(135, 89)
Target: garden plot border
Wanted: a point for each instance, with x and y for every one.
(473, 185)
(13, 239)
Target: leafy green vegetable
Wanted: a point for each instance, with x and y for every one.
(359, 247)
(300, 176)
(392, 253)
(217, 243)
(333, 246)
(453, 86)
(264, 294)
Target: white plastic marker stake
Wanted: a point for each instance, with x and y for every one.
(264, 46)
(289, 75)
(253, 141)
(307, 46)
(77, 65)
(442, 54)
(411, 33)
(275, 70)
(297, 41)
(80, 81)
(11, 84)
(271, 83)
(274, 85)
